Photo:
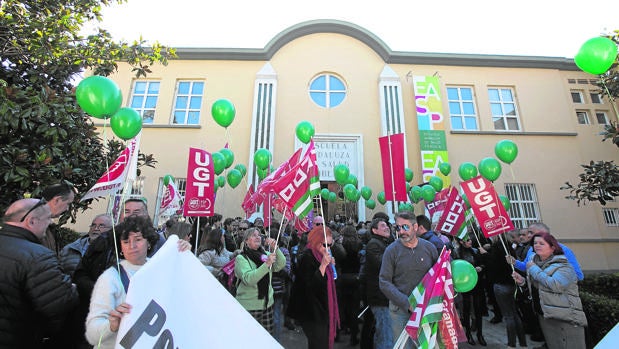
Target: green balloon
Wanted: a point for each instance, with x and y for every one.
(167, 179)
(428, 193)
(324, 193)
(219, 163)
(98, 96)
(223, 112)
(408, 174)
(221, 181)
(596, 55)
(241, 169)
(332, 197)
(371, 204)
(416, 192)
(366, 193)
(490, 168)
(381, 197)
(405, 207)
(355, 196)
(352, 179)
(305, 131)
(436, 183)
(126, 123)
(505, 201)
(349, 191)
(234, 178)
(228, 155)
(445, 168)
(262, 158)
(506, 151)
(262, 174)
(464, 275)
(467, 171)
(341, 173)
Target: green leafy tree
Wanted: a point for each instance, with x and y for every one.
(600, 179)
(44, 136)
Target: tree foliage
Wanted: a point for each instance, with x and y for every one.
(44, 136)
(600, 180)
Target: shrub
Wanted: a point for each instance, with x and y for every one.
(601, 284)
(602, 314)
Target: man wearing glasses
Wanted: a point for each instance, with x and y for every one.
(404, 264)
(72, 254)
(35, 296)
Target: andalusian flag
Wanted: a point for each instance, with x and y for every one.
(313, 169)
(427, 303)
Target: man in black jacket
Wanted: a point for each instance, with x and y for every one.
(35, 295)
(378, 302)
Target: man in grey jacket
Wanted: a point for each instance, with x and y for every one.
(35, 295)
(71, 254)
(405, 262)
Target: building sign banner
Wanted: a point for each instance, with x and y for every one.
(431, 124)
(392, 156)
(487, 207)
(199, 192)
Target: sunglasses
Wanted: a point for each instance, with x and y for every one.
(404, 227)
(317, 223)
(37, 205)
(327, 245)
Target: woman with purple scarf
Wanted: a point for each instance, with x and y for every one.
(313, 301)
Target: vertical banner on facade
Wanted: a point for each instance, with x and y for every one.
(199, 192)
(487, 207)
(392, 156)
(431, 124)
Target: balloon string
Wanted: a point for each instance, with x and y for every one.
(610, 97)
(511, 169)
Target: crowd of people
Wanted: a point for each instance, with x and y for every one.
(340, 277)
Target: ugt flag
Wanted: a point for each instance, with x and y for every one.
(199, 192)
(114, 178)
(487, 207)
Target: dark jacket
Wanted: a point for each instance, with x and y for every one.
(435, 240)
(308, 298)
(71, 254)
(497, 269)
(374, 251)
(35, 295)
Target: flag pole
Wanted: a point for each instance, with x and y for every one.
(195, 250)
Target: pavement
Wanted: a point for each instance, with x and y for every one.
(494, 334)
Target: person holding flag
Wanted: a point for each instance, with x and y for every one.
(404, 265)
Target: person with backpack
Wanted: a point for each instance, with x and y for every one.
(135, 236)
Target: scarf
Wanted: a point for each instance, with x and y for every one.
(263, 285)
(334, 315)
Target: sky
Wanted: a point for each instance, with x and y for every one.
(525, 27)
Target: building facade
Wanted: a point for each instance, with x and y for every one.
(354, 89)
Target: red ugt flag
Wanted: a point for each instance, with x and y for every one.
(199, 192)
(392, 156)
(487, 208)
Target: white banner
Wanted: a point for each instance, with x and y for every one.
(177, 303)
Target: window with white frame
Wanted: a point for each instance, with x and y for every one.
(611, 216)
(144, 99)
(601, 117)
(327, 90)
(524, 207)
(462, 111)
(583, 117)
(188, 102)
(503, 108)
(577, 97)
(596, 98)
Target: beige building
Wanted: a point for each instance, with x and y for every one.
(354, 89)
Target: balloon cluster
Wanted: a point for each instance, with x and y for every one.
(101, 98)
